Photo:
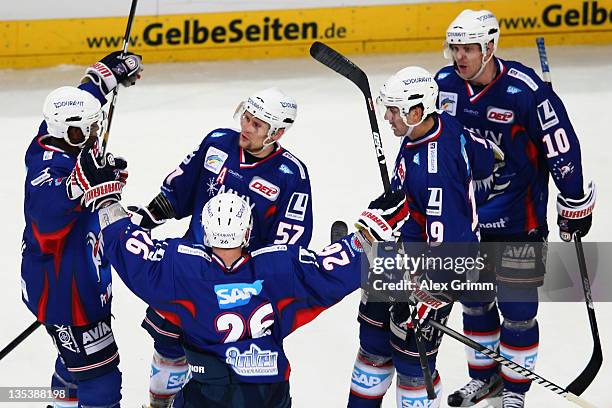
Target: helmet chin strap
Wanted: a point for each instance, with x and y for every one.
(411, 127)
(268, 141)
(483, 65)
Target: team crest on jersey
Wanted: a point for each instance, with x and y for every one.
(401, 170)
(232, 295)
(252, 362)
(355, 245)
(513, 90)
(448, 102)
(500, 115)
(264, 188)
(214, 159)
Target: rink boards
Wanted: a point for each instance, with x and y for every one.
(409, 27)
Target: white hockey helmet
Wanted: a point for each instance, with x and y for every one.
(227, 221)
(272, 106)
(472, 27)
(69, 106)
(408, 88)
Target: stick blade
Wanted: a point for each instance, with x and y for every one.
(339, 229)
(582, 382)
(339, 63)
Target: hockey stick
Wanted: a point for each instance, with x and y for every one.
(22, 336)
(126, 39)
(339, 229)
(564, 392)
(586, 377)
(113, 101)
(345, 67)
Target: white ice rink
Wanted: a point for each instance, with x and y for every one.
(161, 119)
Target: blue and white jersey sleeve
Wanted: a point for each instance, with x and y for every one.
(551, 123)
(181, 185)
(293, 223)
(145, 265)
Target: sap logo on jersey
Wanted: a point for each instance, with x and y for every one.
(367, 380)
(499, 115)
(214, 159)
(264, 188)
(237, 294)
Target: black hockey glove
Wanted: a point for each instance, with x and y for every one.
(385, 216)
(115, 68)
(143, 217)
(422, 304)
(99, 180)
(575, 216)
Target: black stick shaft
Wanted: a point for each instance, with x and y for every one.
(21, 337)
(113, 101)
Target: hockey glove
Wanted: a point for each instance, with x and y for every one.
(100, 180)
(113, 69)
(385, 216)
(575, 216)
(143, 217)
(422, 304)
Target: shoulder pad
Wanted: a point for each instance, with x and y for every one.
(301, 168)
(188, 250)
(524, 77)
(271, 248)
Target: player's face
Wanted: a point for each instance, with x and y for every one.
(76, 134)
(394, 117)
(253, 132)
(468, 58)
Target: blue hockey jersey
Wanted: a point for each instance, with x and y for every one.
(277, 188)
(65, 278)
(239, 314)
(527, 120)
(436, 172)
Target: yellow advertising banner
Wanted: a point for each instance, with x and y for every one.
(289, 33)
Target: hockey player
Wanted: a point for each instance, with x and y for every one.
(434, 168)
(508, 104)
(65, 278)
(251, 163)
(235, 308)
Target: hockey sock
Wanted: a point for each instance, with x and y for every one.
(481, 324)
(63, 381)
(168, 375)
(101, 392)
(411, 392)
(372, 376)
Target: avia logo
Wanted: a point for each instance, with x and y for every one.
(500, 115)
(91, 335)
(237, 294)
(523, 251)
(367, 380)
(265, 188)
